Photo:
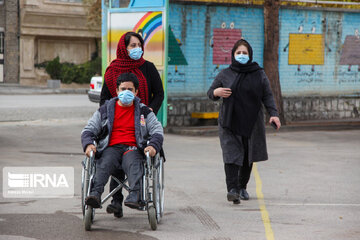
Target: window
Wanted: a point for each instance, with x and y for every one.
(1, 2)
(120, 3)
(2, 36)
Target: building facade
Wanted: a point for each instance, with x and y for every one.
(2, 35)
(51, 28)
(9, 41)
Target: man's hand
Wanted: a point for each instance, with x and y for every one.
(90, 148)
(151, 150)
(276, 120)
(222, 92)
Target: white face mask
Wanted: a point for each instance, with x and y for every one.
(242, 58)
(126, 97)
(135, 53)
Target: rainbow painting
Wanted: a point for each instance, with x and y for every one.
(148, 25)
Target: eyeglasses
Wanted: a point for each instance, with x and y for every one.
(123, 89)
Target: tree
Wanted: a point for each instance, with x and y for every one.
(271, 51)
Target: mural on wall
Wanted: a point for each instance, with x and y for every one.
(222, 42)
(350, 54)
(305, 48)
(323, 62)
(148, 24)
(175, 57)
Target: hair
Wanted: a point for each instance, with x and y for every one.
(133, 34)
(128, 77)
(242, 42)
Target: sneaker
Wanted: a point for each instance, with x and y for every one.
(93, 201)
(132, 200)
(244, 194)
(115, 208)
(233, 195)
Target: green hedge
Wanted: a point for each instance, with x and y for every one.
(70, 72)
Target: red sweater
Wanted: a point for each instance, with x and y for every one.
(123, 131)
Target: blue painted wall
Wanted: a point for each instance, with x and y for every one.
(331, 78)
(193, 27)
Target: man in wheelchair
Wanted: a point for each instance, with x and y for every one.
(122, 128)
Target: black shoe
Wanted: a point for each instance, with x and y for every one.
(233, 195)
(93, 201)
(244, 194)
(236, 201)
(115, 208)
(132, 200)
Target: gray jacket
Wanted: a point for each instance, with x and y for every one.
(100, 125)
(231, 144)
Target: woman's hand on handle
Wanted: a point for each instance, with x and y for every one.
(276, 120)
(90, 148)
(222, 92)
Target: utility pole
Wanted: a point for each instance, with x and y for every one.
(271, 51)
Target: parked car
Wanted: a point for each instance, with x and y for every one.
(95, 89)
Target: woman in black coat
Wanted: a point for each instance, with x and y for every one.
(243, 87)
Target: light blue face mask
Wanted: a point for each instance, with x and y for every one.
(242, 58)
(126, 97)
(135, 53)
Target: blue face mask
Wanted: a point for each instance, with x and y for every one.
(241, 58)
(135, 53)
(126, 97)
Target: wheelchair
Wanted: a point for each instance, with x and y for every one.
(152, 190)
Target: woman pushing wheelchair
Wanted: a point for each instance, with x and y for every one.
(121, 127)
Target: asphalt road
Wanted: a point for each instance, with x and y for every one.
(309, 189)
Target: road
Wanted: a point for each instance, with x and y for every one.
(309, 189)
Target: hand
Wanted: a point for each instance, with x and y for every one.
(222, 92)
(151, 109)
(277, 122)
(151, 150)
(90, 148)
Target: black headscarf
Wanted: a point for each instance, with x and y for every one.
(242, 107)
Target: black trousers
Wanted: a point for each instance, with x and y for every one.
(118, 196)
(238, 176)
(114, 158)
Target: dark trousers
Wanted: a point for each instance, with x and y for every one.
(238, 176)
(114, 158)
(118, 196)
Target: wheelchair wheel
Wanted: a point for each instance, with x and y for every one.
(152, 217)
(162, 187)
(88, 218)
(158, 188)
(88, 211)
(84, 187)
